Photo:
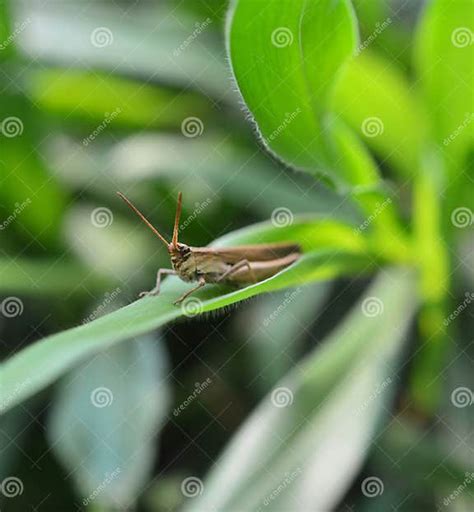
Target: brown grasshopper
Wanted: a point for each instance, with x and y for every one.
(242, 265)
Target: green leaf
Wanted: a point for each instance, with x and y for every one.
(331, 250)
(47, 277)
(284, 455)
(375, 99)
(285, 57)
(110, 100)
(104, 420)
(118, 43)
(444, 57)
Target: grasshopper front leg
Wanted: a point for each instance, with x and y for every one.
(201, 283)
(156, 289)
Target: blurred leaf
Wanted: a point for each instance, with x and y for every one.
(276, 328)
(285, 57)
(43, 277)
(331, 250)
(444, 57)
(105, 419)
(299, 435)
(143, 40)
(108, 99)
(375, 99)
(31, 202)
(209, 166)
(108, 245)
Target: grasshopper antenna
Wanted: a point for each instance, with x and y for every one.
(176, 220)
(144, 219)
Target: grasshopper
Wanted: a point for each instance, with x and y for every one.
(236, 266)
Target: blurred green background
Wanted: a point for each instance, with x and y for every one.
(137, 96)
